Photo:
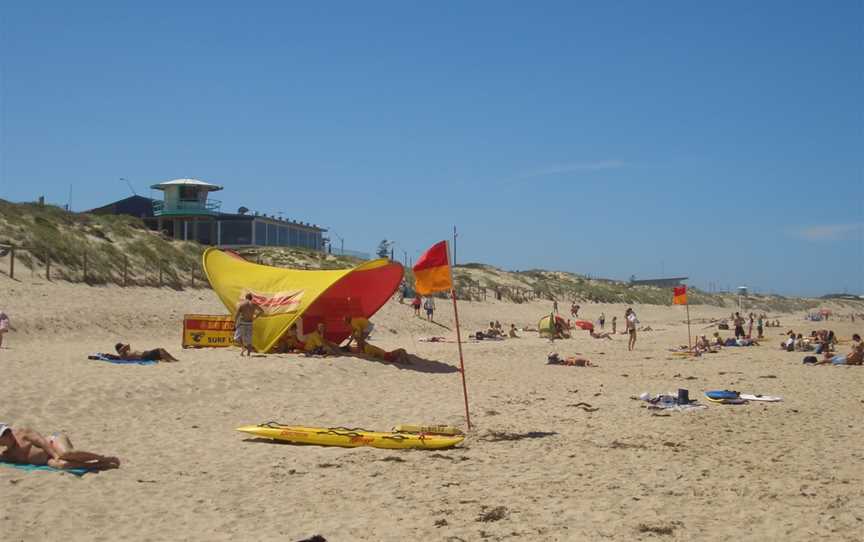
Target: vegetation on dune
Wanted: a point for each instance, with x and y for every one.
(116, 246)
(108, 245)
(103, 246)
(480, 281)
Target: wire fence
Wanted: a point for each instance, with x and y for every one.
(92, 267)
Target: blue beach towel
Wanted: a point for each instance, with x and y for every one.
(114, 359)
(30, 468)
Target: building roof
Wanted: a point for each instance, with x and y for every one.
(187, 182)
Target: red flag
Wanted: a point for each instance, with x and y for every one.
(679, 295)
(432, 270)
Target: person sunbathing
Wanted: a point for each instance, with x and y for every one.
(157, 354)
(27, 447)
(493, 331)
(601, 335)
(702, 344)
(854, 357)
(554, 359)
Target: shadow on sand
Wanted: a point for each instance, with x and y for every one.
(421, 365)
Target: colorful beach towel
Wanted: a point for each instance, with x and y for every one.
(110, 358)
(30, 468)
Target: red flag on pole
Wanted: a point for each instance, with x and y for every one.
(432, 270)
(432, 274)
(679, 295)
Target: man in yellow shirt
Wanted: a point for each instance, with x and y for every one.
(316, 343)
(361, 328)
(396, 356)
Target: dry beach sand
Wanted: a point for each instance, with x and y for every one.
(538, 466)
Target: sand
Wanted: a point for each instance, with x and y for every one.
(535, 467)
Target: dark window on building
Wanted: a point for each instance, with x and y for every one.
(283, 236)
(260, 233)
(237, 233)
(188, 193)
(294, 237)
(204, 232)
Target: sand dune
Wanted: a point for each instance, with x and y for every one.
(539, 465)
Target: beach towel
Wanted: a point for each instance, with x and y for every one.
(30, 468)
(669, 401)
(110, 358)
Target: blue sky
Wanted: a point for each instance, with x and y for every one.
(722, 141)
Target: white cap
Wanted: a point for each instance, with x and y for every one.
(3, 428)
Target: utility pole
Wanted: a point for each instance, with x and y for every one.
(455, 235)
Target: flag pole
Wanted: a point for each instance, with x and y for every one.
(459, 341)
(689, 341)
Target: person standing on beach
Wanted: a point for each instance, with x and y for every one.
(632, 322)
(416, 304)
(614, 324)
(4, 326)
(759, 325)
(247, 311)
(574, 310)
(555, 306)
(739, 325)
(429, 305)
(602, 320)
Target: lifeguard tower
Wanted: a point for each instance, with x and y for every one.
(184, 206)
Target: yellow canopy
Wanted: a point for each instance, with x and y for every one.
(286, 294)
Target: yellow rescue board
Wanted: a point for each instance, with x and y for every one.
(351, 437)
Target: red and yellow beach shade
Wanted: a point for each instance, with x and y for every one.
(432, 270)
(679, 295)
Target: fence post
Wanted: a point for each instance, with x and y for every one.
(12, 263)
(125, 269)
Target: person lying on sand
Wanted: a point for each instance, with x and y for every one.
(157, 354)
(27, 447)
(601, 335)
(555, 359)
(854, 357)
(398, 356)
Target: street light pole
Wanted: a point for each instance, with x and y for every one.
(455, 235)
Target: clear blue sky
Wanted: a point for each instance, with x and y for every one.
(722, 140)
